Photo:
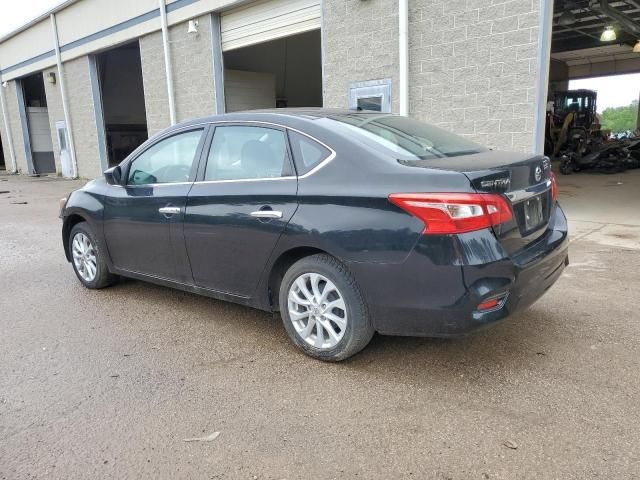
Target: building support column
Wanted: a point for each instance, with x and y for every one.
(63, 94)
(167, 61)
(218, 63)
(5, 115)
(542, 79)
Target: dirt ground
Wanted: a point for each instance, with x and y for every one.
(109, 384)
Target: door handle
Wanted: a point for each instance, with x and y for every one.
(267, 214)
(169, 210)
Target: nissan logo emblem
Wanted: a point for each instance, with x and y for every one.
(538, 174)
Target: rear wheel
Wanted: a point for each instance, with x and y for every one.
(87, 259)
(323, 310)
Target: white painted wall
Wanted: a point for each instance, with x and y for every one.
(87, 17)
(249, 90)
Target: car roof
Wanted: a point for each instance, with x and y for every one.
(283, 116)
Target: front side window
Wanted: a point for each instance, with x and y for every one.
(168, 161)
(244, 152)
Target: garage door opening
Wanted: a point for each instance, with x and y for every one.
(38, 127)
(119, 72)
(617, 106)
(281, 73)
(592, 41)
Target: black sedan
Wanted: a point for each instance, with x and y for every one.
(347, 223)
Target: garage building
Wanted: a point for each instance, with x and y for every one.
(85, 84)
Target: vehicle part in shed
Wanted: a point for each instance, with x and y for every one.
(605, 157)
(572, 121)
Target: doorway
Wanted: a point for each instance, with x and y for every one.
(38, 127)
(286, 72)
(119, 73)
(3, 165)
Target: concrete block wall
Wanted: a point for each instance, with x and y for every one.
(473, 68)
(10, 95)
(154, 82)
(56, 113)
(472, 63)
(360, 43)
(192, 60)
(83, 119)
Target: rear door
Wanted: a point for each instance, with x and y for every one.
(245, 195)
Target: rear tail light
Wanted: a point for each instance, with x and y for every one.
(554, 186)
(446, 213)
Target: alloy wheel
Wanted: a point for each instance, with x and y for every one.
(84, 257)
(317, 310)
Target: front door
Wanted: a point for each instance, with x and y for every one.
(236, 212)
(143, 218)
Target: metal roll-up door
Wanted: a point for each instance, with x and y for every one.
(41, 142)
(267, 20)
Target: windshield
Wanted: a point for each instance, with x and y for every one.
(407, 139)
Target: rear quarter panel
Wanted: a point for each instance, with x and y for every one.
(343, 209)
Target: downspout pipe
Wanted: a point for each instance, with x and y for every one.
(403, 57)
(5, 115)
(628, 24)
(167, 61)
(542, 79)
(63, 94)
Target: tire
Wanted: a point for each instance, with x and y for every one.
(566, 167)
(101, 278)
(333, 280)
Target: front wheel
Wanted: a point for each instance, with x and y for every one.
(87, 259)
(322, 309)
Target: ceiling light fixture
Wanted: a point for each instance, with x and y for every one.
(608, 35)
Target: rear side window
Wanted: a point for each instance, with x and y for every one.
(307, 152)
(243, 152)
(404, 138)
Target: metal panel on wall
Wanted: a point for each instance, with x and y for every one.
(267, 20)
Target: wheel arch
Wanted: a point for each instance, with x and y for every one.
(280, 267)
(70, 221)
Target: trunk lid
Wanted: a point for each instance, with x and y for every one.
(525, 180)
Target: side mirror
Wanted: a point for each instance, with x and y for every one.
(113, 175)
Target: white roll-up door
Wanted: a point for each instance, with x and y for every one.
(39, 129)
(268, 20)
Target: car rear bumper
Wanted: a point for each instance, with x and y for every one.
(438, 288)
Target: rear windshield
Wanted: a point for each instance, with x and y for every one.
(405, 138)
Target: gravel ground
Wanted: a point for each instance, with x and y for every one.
(109, 384)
